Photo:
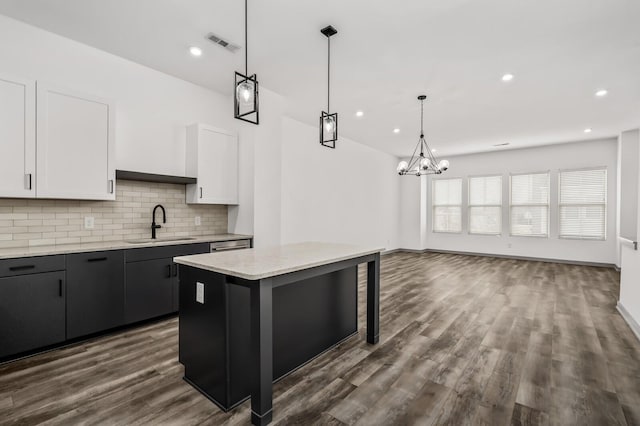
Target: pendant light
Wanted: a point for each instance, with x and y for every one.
(328, 121)
(245, 99)
(422, 164)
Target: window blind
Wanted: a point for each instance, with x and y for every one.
(447, 205)
(485, 205)
(530, 204)
(583, 204)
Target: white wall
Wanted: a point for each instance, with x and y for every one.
(553, 158)
(152, 108)
(267, 170)
(629, 153)
(630, 263)
(348, 194)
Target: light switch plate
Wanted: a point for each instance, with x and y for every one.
(89, 222)
(200, 292)
(198, 221)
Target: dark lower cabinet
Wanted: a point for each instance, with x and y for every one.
(151, 285)
(95, 292)
(32, 312)
(42, 305)
(149, 289)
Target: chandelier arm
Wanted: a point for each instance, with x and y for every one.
(434, 159)
(413, 159)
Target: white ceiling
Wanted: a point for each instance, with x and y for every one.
(386, 53)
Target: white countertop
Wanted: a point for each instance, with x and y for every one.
(259, 263)
(13, 252)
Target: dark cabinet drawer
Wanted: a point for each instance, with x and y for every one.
(95, 292)
(32, 312)
(31, 265)
(149, 253)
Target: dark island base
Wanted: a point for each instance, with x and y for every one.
(309, 318)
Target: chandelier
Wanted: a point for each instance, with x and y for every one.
(422, 164)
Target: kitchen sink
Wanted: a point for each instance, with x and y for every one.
(159, 240)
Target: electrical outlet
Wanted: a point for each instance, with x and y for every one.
(89, 222)
(200, 292)
(198, 221)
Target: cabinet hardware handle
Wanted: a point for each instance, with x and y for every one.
(175, 269)
(200, 192)
(21, 268)
(110, 186)
(168, 271)
(97, 259)
(60, 288)
(28, 181)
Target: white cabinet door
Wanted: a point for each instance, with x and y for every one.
(75, 139)
(17, 137)
(212, 157)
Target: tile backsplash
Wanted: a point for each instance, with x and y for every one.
(29, 222)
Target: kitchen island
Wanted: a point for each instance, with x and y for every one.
(249, 317)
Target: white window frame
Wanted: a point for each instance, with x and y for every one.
(511, 205)
(605, 204)
(433, 205)
(469, 205)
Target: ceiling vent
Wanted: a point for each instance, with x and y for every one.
(501, 144)
(233, 48)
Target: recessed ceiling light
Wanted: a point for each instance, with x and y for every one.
(396, 130)
(588, 130)
(195, 51)
(433, 150)
(601, 93)
(507, 77)
(359, 113)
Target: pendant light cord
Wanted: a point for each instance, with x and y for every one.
(328, 73)
(246, 42)
(422, 141)
(421, 118)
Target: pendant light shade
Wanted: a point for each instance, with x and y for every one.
(328, 121)
(245, 100)
(424, 163)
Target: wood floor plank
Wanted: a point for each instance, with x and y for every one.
(527, 416)
(464, 340)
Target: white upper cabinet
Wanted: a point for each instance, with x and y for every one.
(212, 157)
(17, 137)
(75, 155)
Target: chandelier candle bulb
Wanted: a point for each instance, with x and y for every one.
(425, 162)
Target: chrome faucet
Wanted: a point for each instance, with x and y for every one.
(155, 226)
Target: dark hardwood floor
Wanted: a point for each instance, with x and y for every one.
(464, 340)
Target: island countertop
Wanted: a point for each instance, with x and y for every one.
(259, 263)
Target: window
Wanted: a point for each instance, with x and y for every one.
(530, 205)
(583, 204)
(447, 205)
(485, 205)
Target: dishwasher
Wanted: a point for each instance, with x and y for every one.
(230, 245)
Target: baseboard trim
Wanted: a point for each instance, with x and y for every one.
(507, 256)
(386, 252)
(632, 323)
